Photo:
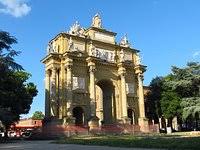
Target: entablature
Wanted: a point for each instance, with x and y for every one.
(80, 43)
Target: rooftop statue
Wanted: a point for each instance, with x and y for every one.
(96, 21)
(76, 29)
(124, 41)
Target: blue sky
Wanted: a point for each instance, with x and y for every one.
(166, 31)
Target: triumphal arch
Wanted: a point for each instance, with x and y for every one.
(93, 80)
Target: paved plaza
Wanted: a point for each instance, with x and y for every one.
(47, 145)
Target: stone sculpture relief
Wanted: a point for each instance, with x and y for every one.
(121, 56)
(50, 48)
(78, 83)
(70, 44)
(92, 51)
(76, 29)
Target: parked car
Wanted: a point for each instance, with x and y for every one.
(26, 134)
(11, 134)
(2, 134)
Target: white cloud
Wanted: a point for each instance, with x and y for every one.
(196, 54)
(16, 8)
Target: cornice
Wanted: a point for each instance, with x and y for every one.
(101, 30)
(51, 55)
(88, 39)
(140, 68)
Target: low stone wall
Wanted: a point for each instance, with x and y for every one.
(52, 130)
(64, 130)
(154, 128)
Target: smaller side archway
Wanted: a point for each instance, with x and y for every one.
(131, 116)
(78, 114)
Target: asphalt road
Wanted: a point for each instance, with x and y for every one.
(47, 145)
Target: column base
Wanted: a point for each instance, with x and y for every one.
(93, 124)
(126, 120)
(52, 120)
(68, 120)
(144, 125)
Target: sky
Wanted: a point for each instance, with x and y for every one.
(167, 32)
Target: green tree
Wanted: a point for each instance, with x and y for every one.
(16, 94)
(191, 107)
(170, 104)
(153, 98)
(38, 115)
(186, 82)
(177, 93)
(7, 54)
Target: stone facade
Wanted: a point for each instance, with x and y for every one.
(92, 80)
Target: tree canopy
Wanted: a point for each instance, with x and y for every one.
(178, 92)
(16, 94)
(7, 53)
(153, 98)
(170, 104)
(38, 115)
(186, 82)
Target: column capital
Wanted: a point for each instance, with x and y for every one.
(68, 66)
(55, 67)
(69, 60)
(91, 63)
(92, 69)
(54, 71)
(47, 72)
(69, 63)
(90, 60)
(140, 69)
(141, 76)
(122, 71)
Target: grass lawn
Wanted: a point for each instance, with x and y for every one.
(148, 141)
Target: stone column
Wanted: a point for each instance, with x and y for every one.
(54, 102)
(68, 81)
(92, 90)
(101, 103)
(65, 92)
(141, 96)
(166, 123)
(175, 123)
(122, 72)
(59, 91)
(153, 122)
(94, 120)
(143, 121)
(47, 94)
(160, 123)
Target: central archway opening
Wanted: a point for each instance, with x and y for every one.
(107, 101)
(78, 115)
